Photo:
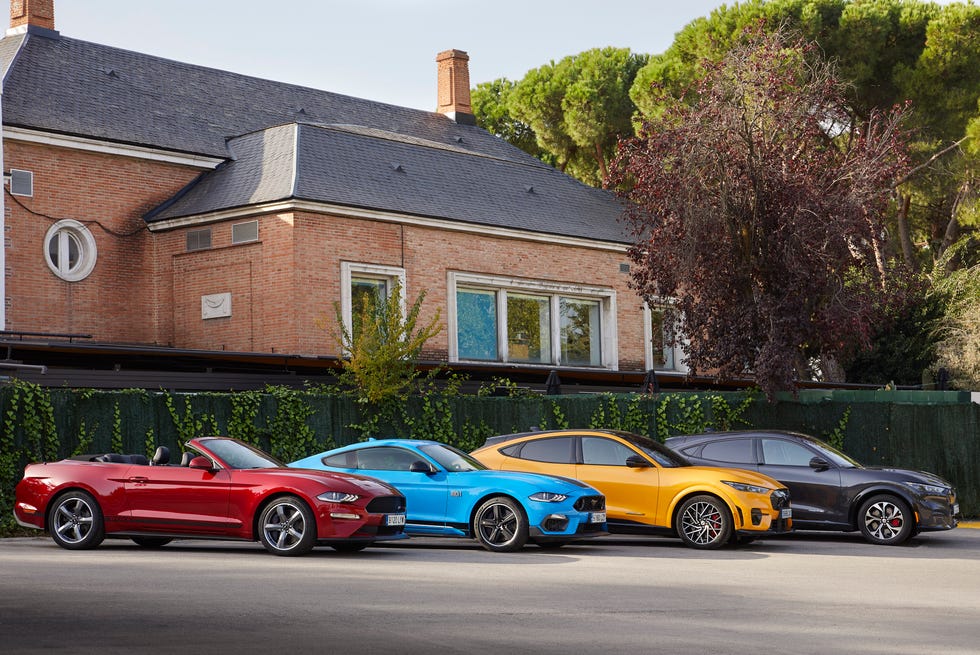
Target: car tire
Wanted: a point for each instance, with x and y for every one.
(704, 522)
(287, 527)
(349, 547)
(152, 542)
(500, 525)
(76, 521)
(886, 520)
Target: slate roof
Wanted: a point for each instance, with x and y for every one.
(344, 152)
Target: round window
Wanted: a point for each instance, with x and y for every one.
(69, 249)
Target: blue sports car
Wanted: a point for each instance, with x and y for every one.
(450, 494)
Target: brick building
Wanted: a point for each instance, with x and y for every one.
(164, 206)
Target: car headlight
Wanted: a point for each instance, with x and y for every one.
(750, 488)
(927, 489)
(337, 497)
(548, 497)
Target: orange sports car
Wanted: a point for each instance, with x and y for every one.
(648, 487)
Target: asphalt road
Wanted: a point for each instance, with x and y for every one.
(816, 593)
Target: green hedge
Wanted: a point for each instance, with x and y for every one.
(934, 431)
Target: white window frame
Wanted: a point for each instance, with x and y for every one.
(608, 330)
(350, 270)
(88, 252)
(676, 351)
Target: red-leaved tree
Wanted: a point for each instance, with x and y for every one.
(756, 207)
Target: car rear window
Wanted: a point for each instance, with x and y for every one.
(557, 450)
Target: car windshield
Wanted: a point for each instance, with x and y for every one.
(658, 452)
(833, 455)
(451, 459)
(237, 455)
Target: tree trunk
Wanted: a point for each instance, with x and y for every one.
(831, 369)
(601, 160)
(904, 234)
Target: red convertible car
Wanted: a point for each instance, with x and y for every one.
(221, 489)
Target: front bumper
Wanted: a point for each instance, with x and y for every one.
(766, 515)
(936, 513)
(777, 526)
(347, 522)
(575, 519)
(583, 531)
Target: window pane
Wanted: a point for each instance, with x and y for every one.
(74, 249)
(53, 248)
(476, 324)
(580, 338)
(663, 354)
(364, 295)
(385, 459)
(604, 452)
(557, 450)
(528, 328)
(785, 453)
(735, 451)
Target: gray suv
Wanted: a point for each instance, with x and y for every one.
(831, 491)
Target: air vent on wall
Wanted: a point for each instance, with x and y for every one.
(245, 232)
(21, 182)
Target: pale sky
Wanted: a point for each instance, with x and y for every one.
(381, 50)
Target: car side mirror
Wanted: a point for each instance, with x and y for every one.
(418, 466)
(819, 464)
(637, 462)
(201, 462)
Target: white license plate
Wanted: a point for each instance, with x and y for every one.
(395, 519)
(597, 517)
(786, 513)
(956, 509)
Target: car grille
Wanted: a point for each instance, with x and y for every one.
(779, 498)
(590, 503)
(387, 505)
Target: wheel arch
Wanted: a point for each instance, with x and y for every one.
(690, 493)
(268, 499)
(878, 490)
(484, 498)
(53, 501)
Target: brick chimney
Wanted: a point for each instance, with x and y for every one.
(454, 86)
(26, 13)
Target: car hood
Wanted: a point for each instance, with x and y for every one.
(331, 479)
(735, 475)
(540, 481)
(907, 475)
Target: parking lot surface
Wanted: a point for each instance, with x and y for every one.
(804, 593)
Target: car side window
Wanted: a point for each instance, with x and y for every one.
(779, 452)
(604, 452)
(731, 451)
(386, 458)
(557, 450)
(346, 460)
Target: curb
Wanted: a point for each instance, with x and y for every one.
(975, 525)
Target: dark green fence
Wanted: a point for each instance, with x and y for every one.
(934, 431)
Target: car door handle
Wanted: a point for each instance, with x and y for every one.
(139, 479)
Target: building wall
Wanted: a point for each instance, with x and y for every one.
(290, 279)
(109, 194)
(147, 288)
